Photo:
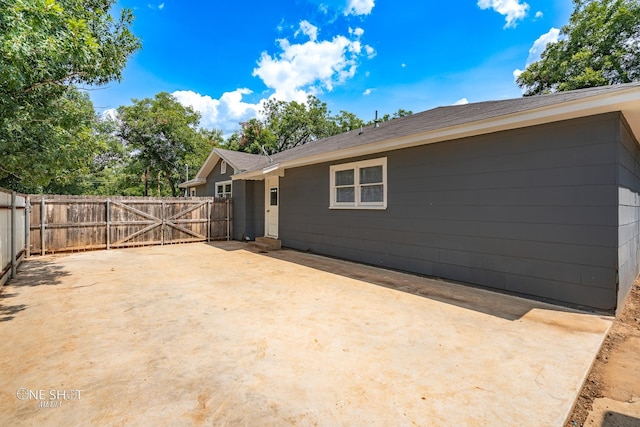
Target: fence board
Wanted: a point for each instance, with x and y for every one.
(74, 223)
(13, 231)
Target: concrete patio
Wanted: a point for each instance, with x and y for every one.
(214, 334)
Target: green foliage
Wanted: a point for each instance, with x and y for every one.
(398, 114)
(111, 172)
(253, 136)
(41, 145)
(346, 121)
(47, 49)
(163, 138)
(294, 124)
(599, 46)
(290, 124)
(52, 44)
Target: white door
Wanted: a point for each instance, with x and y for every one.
(272, 199)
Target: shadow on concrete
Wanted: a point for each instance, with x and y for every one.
(229, 245)
(615, 419)
(38, 272)
(468, 296)
(32, 272)
(7, 311)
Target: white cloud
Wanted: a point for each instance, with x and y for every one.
(371, 52)
(539, 15)
(308, 30)
(403, 65)
(294, 73)
(358, 32)
(154, 6)
(461, 101)
(110, 114)
(551, 36)
(359, 7)
(367, 92)
(225, 113)
(512, 10)
(313, 66)
(161, 6)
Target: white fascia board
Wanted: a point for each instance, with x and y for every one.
(192, 183)
(252, 176)
(627, 101)
(208, 165)
(270, 168)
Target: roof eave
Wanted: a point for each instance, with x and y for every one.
(627, 101)
(208, 165)
(192, 183)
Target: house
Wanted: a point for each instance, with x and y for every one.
(537, 196)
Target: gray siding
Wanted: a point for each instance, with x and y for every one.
(629, 212)
(257, 213)
(531, 211)
(248, 202)
(248, 209)
(239, 209)
(209, 188)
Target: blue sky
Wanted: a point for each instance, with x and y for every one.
(226, 57)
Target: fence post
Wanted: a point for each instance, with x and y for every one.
(108, 219)
(27, 227)
(228, 221)
(209, 220)
(43, 217)
(163, 221)
(14, 238)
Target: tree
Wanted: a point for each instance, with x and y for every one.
(293, 123)
(398, 114)
(47, 49)
(252, 137)
(346, 121)
(207, 140)
(163, 136)
(599, 46)
(111, 172)
(289, 124)
(37, 146)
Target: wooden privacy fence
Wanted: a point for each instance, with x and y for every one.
(14, 232)
(74, 223)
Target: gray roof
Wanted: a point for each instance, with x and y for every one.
(240, 160)
(438, 118)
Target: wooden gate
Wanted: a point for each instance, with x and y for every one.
(74, 223)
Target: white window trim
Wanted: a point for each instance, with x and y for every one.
(192, 192)
(223, 183)
(357, 204)
(223, 167)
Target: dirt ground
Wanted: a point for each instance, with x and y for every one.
(611, 395)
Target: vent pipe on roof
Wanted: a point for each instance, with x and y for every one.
(266, 154)
(376, 123)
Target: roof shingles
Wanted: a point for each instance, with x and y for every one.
(437, 118)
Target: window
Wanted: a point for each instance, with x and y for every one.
(359, 185)
(193, 191)
(223, 167)
(223, 189)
